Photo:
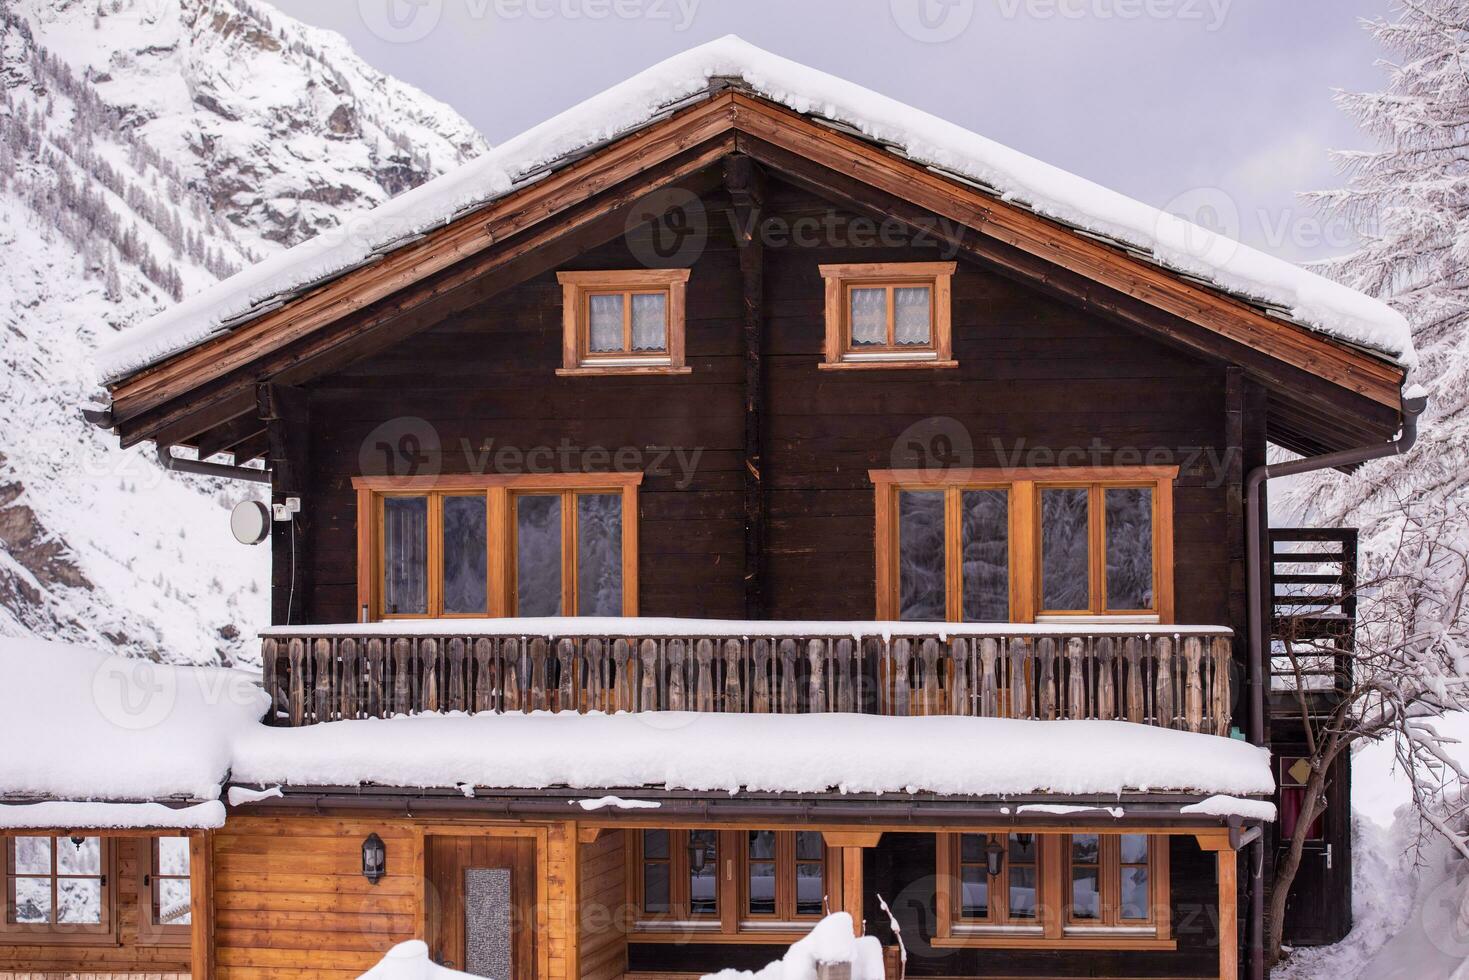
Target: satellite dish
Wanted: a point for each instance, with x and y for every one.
(250, 522)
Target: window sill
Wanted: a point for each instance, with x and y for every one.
(912, 364)
(16, 937)
(695, 937)
(593, 370)
(1092, 942)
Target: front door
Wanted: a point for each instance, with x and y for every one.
(1319, 910)
(481, 901)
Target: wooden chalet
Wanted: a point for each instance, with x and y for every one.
(793, 418)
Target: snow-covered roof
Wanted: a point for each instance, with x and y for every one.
(730, 753)
(82, 725)
(1311, 300)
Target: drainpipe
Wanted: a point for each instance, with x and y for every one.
(1259, 639)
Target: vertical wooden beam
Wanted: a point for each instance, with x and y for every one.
(201, 905)
(746, 186)
(852, 902)
(286, 414)
(1226, 860)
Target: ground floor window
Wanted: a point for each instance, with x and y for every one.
(500, 545)
(705, 884)
(1097, 890)
(57, 888)
(166, 891)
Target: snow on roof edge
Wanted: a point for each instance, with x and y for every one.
(1313, 300)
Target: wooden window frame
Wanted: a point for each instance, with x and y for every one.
(1024, 486)
(734, 924)
(1052, 927)
(59, 934)
(150, 930)
(841, 279)
(500, 491)
(576, 290)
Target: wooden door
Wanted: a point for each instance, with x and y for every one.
(481, 904)
(1319, 910)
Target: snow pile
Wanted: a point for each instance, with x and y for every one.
(81, 724)
(851, 753)
(1312, 299)
(829, 941)
(409, 961)
(60, 814)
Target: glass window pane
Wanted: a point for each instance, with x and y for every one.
(79, 859)
(79, 901)
(974, 885)
(32, 900)
(971, 848)
(655, 888)
(1134, 893)
(655, 843)
(538, 555)
(465, 556)
(1129, 548)
(405, 555)
(604, 323)
(1085, 848)
(649, 321)
(762, 887)
(921, 587)
(703, 882)
(1022, 892)
(1086, 897)
(1064, 549)
(911, 308)
(599, 554)
(33, 855)
(762, 844)
(810, 889)
(869, 315)
(1134, 848)
(986, 537)
(173, 902)
(173, 855)
(809, 846)
(1023, 848)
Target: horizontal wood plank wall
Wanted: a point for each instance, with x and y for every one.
(127, 955)
(1034, 377)
(289, 896)
(601, 908)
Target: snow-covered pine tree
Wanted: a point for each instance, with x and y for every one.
(1409, 200)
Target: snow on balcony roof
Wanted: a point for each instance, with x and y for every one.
(82, 725)
(730, 753)
(1311, 300)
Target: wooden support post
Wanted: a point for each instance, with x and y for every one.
(746, 186)
(285, 413)
(1227, 861)
(852, 886)
(201, 905)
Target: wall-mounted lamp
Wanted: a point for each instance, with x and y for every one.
(994, 855)
(374, 858)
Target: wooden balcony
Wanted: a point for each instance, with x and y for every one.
(1174, 677)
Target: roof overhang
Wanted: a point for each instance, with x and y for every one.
(1325, 393)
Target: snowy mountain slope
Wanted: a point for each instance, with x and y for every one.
(136, 166)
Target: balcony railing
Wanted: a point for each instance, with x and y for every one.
(1172, 677)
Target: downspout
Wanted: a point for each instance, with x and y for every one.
(1412, 407)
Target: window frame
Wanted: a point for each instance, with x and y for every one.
(1053, 927)
(734, 923)
(1024, 487)
(500, 491)
(59, 934)
(841, 278)
(577, 288)
(150, 930)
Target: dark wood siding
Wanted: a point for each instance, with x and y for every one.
(1035, 377)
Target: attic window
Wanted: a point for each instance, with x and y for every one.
(888, 314)
(623, 322)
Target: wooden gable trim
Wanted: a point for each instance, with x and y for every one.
(719, 116)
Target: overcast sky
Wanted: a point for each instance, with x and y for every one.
(1164, 100)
